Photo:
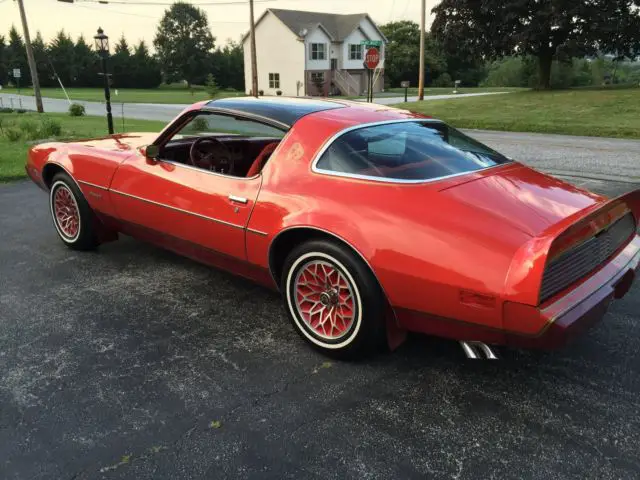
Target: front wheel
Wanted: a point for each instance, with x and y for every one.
(72, 215)
(333, 299)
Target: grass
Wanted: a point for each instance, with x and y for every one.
(13, 154)
(601, 113)
(131, 95)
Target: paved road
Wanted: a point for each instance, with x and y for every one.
(119, 364)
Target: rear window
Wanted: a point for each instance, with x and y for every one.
(407, 151)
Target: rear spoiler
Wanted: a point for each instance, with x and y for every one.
(528, 265)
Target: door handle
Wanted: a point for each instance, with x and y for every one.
(236, 199)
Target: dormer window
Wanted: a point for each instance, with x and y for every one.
(318, 51)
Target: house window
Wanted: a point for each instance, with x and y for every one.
(355, 52)
(274, 80)
(317, 77)
(318, 51)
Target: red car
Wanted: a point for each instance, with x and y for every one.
(371, 221)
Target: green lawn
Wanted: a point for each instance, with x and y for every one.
(130, 95)
(13, 154)
(602, 113)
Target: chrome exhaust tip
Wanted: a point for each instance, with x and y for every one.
(478, 350)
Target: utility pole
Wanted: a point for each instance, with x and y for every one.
(32, 61)
(423, 15)
(254, 61)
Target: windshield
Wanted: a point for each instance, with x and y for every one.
(407, 151)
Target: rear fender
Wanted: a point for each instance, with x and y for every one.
(525, 274)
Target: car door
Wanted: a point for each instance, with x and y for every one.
(185, 203)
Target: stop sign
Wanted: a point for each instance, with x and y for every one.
(372, 58)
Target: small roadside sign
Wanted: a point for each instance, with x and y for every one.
(372, 58)
(17, 73)
(405, 84)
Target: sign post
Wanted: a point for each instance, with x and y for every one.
(17, 74)
(371, 61)
(405, 84)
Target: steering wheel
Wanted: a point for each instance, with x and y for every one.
(217, 158)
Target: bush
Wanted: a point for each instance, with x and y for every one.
(260, 93)
(278, 92)
(30, 129)
(13, 134)
(76, 110)
(20, 110)
(443, 80)
(50, 128)
(6, 110)
(199, 124)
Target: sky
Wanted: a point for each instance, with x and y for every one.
(139, 22)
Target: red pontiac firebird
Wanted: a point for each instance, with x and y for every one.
(371, 221)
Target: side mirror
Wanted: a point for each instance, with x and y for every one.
(152, 151)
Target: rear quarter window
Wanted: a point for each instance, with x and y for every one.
(406, 151)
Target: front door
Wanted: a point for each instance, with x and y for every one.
(185, 203)
(334, 64)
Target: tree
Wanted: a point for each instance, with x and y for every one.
(184, 43)
(145, 69)
(120, 63)
(63, 58)
(228, 65)
(403, 53)
(4, 65)
(546, 29)
(86, 65)
(42, 63)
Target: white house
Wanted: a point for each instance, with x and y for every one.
(311, 53)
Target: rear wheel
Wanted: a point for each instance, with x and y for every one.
(72, 215)
(333, 299)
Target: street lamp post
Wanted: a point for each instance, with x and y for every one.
(102, 47)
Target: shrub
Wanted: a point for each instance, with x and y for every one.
(199, 124)
(260, 93)
(6, 110)
(76, 110)
(443, 80)
(20, 110)
(50, 128)
(278, 92)
(30, 129)
(13, 134)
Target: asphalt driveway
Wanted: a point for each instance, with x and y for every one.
(135, 363)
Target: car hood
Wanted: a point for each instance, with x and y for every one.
(524, 198)
(119, 142)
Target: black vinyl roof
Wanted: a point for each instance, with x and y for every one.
(283, 110)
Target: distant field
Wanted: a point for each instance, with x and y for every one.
(13, 154)
(602, 113)
(130, 95)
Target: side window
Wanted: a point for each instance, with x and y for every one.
(204, 124)
(406, 151)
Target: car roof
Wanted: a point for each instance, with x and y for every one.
(285, 110)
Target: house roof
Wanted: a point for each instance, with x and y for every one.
(338, 27)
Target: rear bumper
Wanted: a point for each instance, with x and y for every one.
(584, 306)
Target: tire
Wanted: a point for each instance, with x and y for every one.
(71, 214)
(320, 275)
